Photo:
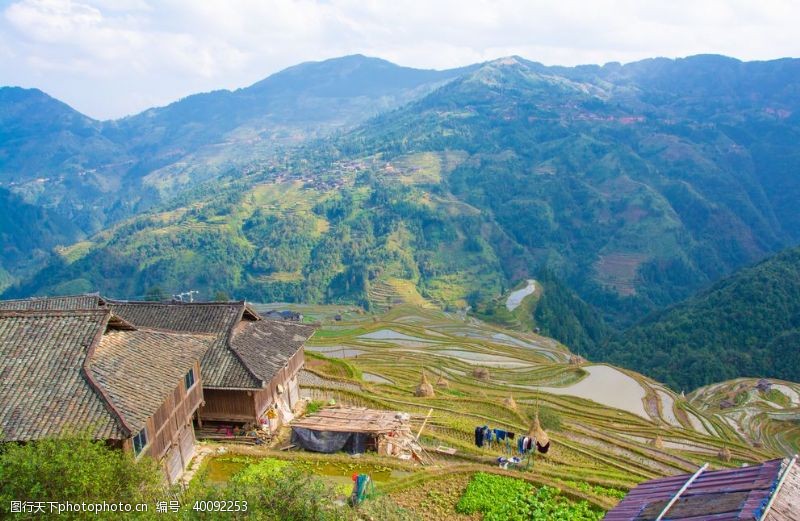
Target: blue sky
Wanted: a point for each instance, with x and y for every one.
(111, 58)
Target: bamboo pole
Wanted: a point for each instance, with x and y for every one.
(430, 411)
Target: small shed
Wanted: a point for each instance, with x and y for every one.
(766, 492)
(356, 430)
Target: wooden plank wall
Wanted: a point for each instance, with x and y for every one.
(236, 405)
(228, 405)
(174, 413)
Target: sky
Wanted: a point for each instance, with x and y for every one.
(110, 58)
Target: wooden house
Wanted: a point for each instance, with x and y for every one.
(252, 365)
(89, 372)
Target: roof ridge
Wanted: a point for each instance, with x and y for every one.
(233, 350)
(51, 312)
(173, 303)
(96, 387)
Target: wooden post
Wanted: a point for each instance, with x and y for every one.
(430, 411)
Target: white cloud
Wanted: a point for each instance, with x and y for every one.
(112, 57)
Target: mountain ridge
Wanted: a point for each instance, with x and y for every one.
(634, 196)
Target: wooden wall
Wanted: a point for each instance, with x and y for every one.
(249, 406)
(176, 411)
(228, 405)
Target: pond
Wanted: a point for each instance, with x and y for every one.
(338, 473)
(515, 299)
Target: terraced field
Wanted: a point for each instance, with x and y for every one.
(610, 427)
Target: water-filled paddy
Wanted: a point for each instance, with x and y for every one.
(375, 378)
(608, 386)
(515, 299)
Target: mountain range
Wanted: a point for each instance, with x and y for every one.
(632, 187)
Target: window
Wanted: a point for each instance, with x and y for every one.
(140, 441)
(188, 380)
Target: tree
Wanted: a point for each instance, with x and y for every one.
(221, 296)
(76, 470)
(155, 294)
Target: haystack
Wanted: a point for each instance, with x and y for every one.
(576, 360)
(724, 454)
(510, 403)
(481, 373)
(658, 442)
(442, 382)
(424, 389)
(536, 432)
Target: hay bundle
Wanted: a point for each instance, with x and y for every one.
(657, 442)
(724, 454)
(576, 360)
(510, 403)
(442, 382)
(481, 373)
(424, 389)
(536, 432)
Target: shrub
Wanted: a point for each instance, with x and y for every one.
(76, 470)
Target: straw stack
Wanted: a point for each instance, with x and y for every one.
(424, 389)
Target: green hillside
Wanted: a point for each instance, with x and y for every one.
(625, 189)
(745, 325)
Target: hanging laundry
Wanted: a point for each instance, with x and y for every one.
(543, 448)
(499, 434)
(488, 435)
(511, 435)
(479, 436)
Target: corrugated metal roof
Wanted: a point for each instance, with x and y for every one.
(731, 494)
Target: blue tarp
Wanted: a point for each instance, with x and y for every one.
(328, 442)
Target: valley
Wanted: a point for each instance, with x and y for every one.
(610, 428)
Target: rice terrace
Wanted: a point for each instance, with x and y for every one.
(610, 428)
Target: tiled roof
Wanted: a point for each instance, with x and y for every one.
(247, 351)
(204, 317)
(43, 392)
(69, 372)
(246, 365)
(138, 369)
(71, 302)
(720, 495)
(266, 346)
(221, 367)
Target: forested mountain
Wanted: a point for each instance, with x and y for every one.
(27, 234)
(627, 188)
(745, 325)
(98, 172)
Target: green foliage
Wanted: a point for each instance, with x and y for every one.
(76, 470)
(155, 294)
(549, 419)
(500, 498)
(314, 406)
(274, 490)
(288, 494)
(597, 489)
(745, 325)
(775, 396)
(561, 314)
